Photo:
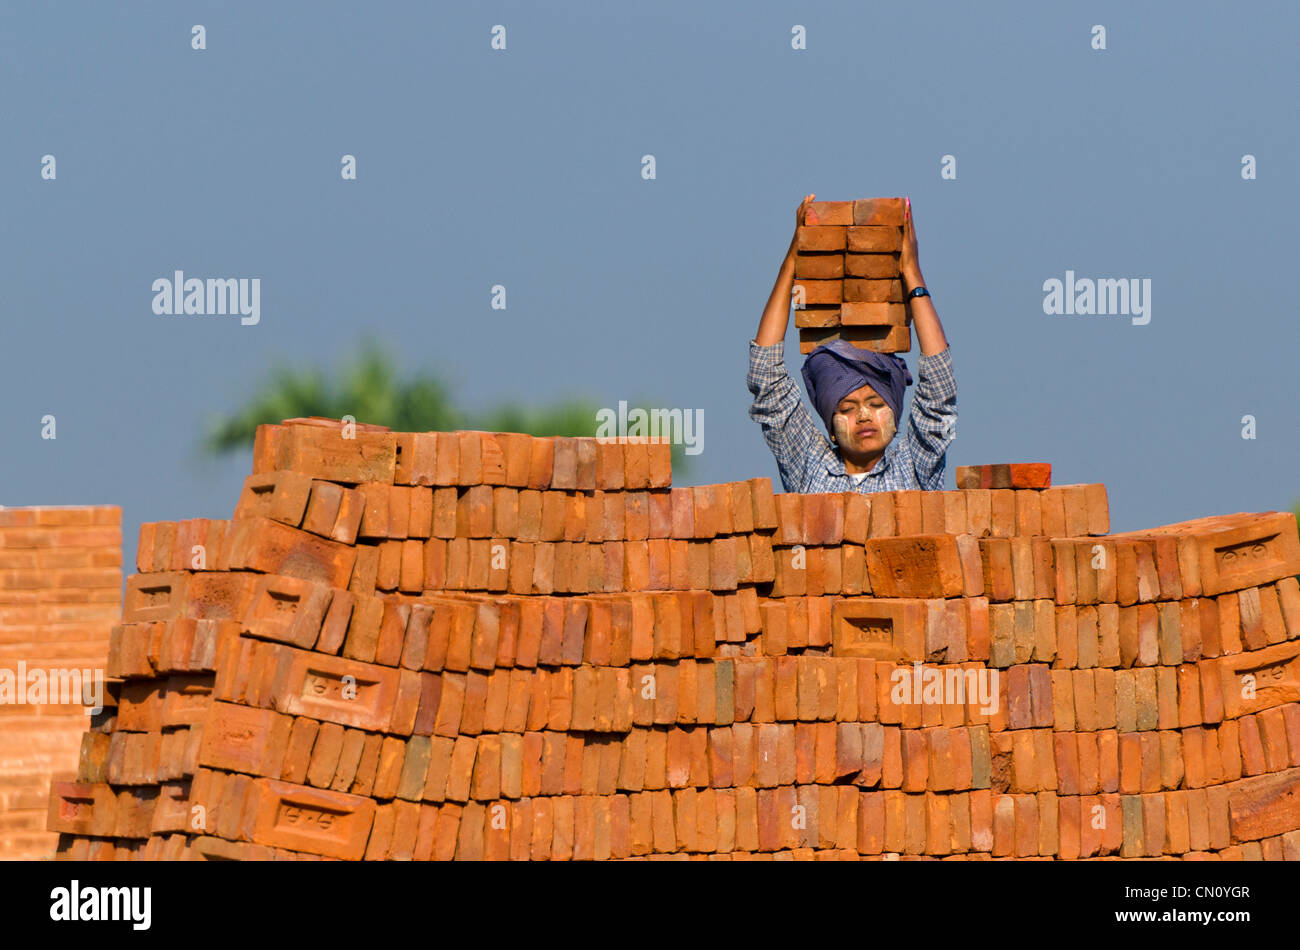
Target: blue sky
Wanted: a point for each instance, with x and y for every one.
(522, 167)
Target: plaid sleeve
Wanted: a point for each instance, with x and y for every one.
(932, 423)
(788, 426)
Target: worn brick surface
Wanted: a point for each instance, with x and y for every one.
(528, 648)
(60, 595)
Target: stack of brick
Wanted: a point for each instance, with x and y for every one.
(60, 594)
(848, 284)
(491, 646)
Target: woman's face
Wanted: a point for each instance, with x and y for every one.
(863, 423)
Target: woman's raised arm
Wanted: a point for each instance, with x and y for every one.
(925, 320)
(776, 315)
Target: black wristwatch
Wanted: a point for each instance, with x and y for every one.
(918, 292)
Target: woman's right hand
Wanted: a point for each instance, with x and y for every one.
(803, 210)
(772, 326)
(799, 217)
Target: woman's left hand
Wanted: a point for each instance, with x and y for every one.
(908, 265)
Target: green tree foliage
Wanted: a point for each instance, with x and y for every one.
(371, 390)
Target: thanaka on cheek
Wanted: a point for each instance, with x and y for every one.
(846, 424)
(842, 431)
(887, 426)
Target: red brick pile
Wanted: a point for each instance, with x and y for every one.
(492, 646)
(60, 594)
(846, 266)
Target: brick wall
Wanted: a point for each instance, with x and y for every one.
(60, 594)
(490, 646)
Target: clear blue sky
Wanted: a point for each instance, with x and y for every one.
(522, 168)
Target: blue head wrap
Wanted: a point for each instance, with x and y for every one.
(835, 369)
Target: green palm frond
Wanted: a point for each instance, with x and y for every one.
(370, 389)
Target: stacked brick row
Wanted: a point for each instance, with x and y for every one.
(847, 277)
(60, 594)
(489, 646)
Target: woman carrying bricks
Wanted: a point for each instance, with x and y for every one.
(858, 394)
